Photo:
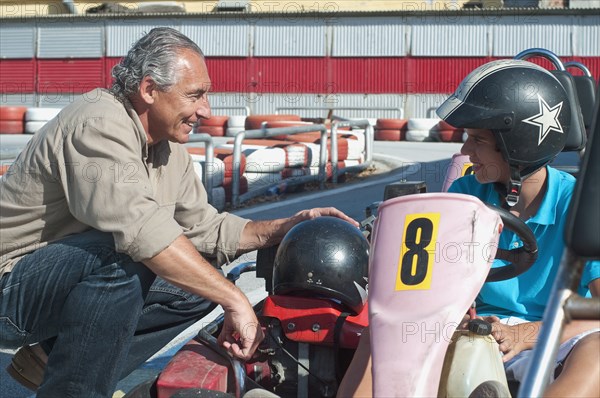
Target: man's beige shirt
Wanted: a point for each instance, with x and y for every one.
(91, 168)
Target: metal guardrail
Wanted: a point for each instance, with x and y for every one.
(342, 108)
(369, 137)
(209, 163)
(236, 198)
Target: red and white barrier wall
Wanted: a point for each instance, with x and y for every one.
(400, 60)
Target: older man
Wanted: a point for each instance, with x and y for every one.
(101, 201)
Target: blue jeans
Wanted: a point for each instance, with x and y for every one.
(98, 313)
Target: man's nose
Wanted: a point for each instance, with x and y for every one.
(203, 111)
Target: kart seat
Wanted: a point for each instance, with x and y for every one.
(585, 86)
(582, 233)
(577, 135)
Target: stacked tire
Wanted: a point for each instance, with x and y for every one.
(254, 122)
(390, 129)
(215, 126)
(422, 129)
(36, 118)
(221, 171)
(448, 133)
(12, 119)
(235, 124)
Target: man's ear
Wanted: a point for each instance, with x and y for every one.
(147, 90)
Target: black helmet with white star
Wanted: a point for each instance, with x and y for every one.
(525, 107)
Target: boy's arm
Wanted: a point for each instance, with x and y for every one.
(516, 338)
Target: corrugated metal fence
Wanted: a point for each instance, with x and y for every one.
(310, 56)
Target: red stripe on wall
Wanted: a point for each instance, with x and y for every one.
(229, 74)
(369, 75)
(271, 75)
(17, 76)
(438, 75)
(289, 75)
(69, 75)
(109, 63)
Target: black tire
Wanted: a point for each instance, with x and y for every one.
(490, 389)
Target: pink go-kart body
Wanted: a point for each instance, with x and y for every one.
(460, 166)
(430, 255)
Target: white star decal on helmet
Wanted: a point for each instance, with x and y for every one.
(546, 120)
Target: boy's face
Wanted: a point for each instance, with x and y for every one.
(488, 163)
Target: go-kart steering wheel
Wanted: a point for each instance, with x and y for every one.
(521, 259)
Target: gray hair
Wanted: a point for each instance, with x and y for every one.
(154, 55)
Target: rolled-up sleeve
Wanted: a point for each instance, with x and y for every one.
(107, 186)
(216, 235)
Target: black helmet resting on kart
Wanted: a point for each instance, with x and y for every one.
(525, 107)
(325, 257)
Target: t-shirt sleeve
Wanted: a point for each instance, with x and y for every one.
(107, 186)
(216, 235)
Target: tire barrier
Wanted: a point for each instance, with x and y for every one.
(447, 133)
(254, 122)
(390, 129)
(417, 129)
(218, 169)
(421, 129)
(36, 118)
(265, 162)
(285, 123)
(33, 126)
(216, 121)
(222, 155)
(4, 169)
(417, 135)
(227, 185)
(235, 124)
(215, 126)
(390, 135)
(213, 131)
(12, 119)
(296, 154)
(11, 127)
(260, 158)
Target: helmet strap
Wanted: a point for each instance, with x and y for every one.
(514, 187)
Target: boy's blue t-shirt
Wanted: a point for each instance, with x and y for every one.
(526, 295)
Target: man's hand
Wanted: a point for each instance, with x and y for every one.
(241, 332)
(259, 234)
(322, 211)
(513, 339)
